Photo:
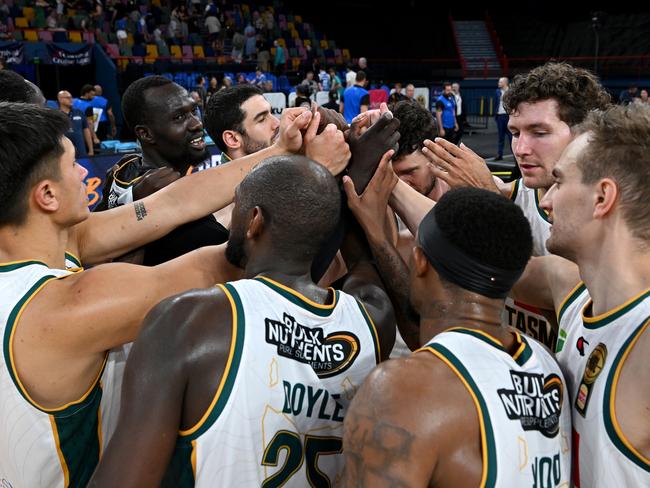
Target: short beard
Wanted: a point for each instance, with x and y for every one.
(251, 146)
(235, 252)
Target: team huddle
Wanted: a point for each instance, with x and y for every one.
(330, 305)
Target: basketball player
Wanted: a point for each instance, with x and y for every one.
(601, 221)
(60, 387)
(259, 366)
(480, 404)
(544, 105)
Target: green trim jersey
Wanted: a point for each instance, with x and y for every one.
(525, 422)
(592, 351)
(526, 318)
(48, 447)
(277, 416)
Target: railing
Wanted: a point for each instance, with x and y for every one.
(460, 56)
(496, 42)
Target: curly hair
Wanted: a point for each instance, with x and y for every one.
(619, 148)
(576, 90)
(416, 125)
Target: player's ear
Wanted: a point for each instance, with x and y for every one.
(232, 139)
(45, 196)
(143, 134)
(255, 224)
(420, 262)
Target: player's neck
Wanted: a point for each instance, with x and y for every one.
(616, 269)
(39, 240)
(287, 273)
(480, 314)
(151, 157)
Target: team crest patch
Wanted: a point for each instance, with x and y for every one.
(595, 364)
(327, 355)
(535, 401)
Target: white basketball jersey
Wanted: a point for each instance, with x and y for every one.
(277, 417)
(521, 404)
(591, 352)
(48, 447)
(526, 318)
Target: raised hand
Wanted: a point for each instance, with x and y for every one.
(327, 147)
(292, 123)
(369, 147)
(458, 166)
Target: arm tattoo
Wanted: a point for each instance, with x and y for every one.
(394, 273)
(373, 447)
(140, 210)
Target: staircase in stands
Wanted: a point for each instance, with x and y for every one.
(476, 49)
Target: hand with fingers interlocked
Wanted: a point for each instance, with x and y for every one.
(458, 166)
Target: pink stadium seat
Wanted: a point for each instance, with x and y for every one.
(112, 50)
(45, 36)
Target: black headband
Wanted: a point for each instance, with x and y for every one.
(459, 268)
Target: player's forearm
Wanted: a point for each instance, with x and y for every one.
(410, 205)
(206, 192)
(395, 276)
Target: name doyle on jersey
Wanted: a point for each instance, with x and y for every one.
(327, 355)
(535, 402)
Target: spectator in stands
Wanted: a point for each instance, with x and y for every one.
(446, 113)
(324, 80)
(350, 76)
(263, 53)
(311, 83)
(85, 104)
(356, 99)
(336, 83)
(238, 43)
(280, 57)
(200, 88)
(3, 63)
(310, 56)
(226, 83)
(333, 103)
(213, 87)
(213, 25)
(410, 91)
(644, 98)
(241, 79)
(79, 132)
(106, 128)
(250, 46)
(362, 65)
(396, 95)
(303, 92)
(627, 96)
(268, 86)
(260, 78)
(502, 118)
(461, 116)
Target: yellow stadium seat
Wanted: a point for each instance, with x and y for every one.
(323, 44)
(29, 13)
(221, 60)
(307, 42)
(129, 39)
(74, 36)
(346, 54)
(295, 63)
(21, 23)
(273, 51)
(298, 19)
(291, 26)
(152, 51)
(31, 35)
(198, 52)
(295, 35)
(176, 51)
(282, 43)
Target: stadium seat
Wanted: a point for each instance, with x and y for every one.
(31, 35)
(29, 13)
(75, 36)
(89, 37)
(21, 23)
(45, 36)
(139, 50)
(323, 44)
(129, 39)
(187, 52)
(152, 51)
(176, 52)
(298, 19)
(346, 55)
(18, 35)
(60, 36)
(198, 52)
